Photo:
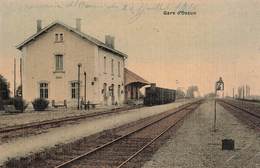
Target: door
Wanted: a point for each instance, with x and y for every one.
(105, 93)
(112, 94)
(119, 94)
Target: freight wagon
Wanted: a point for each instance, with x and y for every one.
(156, 95)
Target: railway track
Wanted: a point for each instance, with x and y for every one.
(121, 150)
(61, 120)
(248, 115)
(35, 128)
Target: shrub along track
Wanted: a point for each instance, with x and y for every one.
(244, 111)
(130, 145)
(33, 128)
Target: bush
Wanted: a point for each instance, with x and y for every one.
(40, 104)
(9, 101)
(5, 102)
(19, 103)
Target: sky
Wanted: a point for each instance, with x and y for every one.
(221, 39)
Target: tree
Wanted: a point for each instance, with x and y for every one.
(180, 93)
(4, 88)
(191, 90)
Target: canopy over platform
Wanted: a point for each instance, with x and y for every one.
(131, 77)
(133, 84)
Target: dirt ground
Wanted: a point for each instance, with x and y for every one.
(195, 145)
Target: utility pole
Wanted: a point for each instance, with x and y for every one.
(21, 80)
(85, 90)
(14, 77)
(246, 91)
(215, 109)
(79, 65)
(243, 92)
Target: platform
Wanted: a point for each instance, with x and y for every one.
(71, 132)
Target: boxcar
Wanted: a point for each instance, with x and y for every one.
(156, 95)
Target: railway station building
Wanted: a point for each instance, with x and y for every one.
(54, 57)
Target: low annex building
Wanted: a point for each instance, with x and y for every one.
(51, 60)
(133, 84)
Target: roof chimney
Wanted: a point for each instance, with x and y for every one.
(110, 41)
(39, 25)
(78, 24)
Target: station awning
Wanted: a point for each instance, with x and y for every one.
(131, 77)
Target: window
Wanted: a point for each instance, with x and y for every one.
(56, 37)
(112, 66)
(112, 94)
(105, 64)
(44, 90)
(118, 69)
(59, 62)
(112, 90)
(105, 90)
(119, 92)
(59, 37)
(74, 90)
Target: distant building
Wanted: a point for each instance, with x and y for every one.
(50, 66)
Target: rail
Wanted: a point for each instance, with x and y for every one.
(255, 121)
(186, 107)
(60, 120)
(242, 109)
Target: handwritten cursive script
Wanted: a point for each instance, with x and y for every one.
(136, 10)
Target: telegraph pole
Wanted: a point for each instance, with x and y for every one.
(85, 89)
(243, 92)
(79, 65)
(215, 109)
(14, 77)
(21, 78)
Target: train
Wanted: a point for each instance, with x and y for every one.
(156, 96)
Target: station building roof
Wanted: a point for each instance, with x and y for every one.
(74, 30)
(131, 77)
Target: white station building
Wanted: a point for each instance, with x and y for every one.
(50, 60)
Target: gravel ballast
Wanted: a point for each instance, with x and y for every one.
(196, 145)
